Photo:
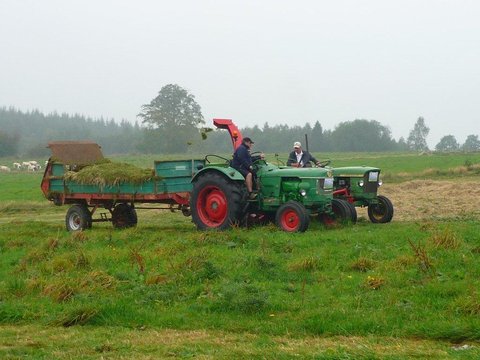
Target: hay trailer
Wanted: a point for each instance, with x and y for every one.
(170, 187)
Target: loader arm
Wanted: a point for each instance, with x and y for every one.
(235, 134)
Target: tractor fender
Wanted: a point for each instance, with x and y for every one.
(228, 172)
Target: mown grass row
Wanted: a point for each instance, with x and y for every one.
(94, 342)
(406, 280)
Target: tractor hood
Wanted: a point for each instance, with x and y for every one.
(352, 171)
(295, 172)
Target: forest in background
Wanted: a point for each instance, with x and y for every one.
(28, 133)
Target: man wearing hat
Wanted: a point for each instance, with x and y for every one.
(300, 158)
(243, 162)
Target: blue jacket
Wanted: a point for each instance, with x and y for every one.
(241, 158)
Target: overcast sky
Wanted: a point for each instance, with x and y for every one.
(252, 61)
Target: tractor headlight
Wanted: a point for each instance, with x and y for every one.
(303, 192)
(380, 182)
(360, 183)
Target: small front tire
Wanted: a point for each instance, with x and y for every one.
(382, 212)
(292, 217)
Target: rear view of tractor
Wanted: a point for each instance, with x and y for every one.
(358, 185)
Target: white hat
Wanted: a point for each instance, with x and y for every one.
(297, 144)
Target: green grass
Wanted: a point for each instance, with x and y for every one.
(260, 280)
(163, 289)
(21, 186)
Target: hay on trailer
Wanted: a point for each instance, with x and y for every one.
(107, 173)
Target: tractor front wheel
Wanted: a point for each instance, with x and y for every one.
(292, 217)
(124, 216)
(217, 202)
(381, 212)
(78, 218)
(341, 213)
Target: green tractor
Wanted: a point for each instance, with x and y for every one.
(286, 195)
(358, 186)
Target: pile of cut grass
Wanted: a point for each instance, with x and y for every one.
(108, 173)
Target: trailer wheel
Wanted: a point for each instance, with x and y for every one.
(78, 218)
(341, 213)
(381, 212)
(217, 203)
(124, 216)
(292, 217)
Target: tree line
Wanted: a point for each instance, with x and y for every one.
(173, 123)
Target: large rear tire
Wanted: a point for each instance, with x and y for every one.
(217, 202)
(78, 218)
(353, 212)
(381, 212)
(292, 217)
(341, 213)
(124, 216)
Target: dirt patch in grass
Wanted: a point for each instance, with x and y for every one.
(433, 199)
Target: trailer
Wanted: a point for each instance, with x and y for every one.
(170, 187)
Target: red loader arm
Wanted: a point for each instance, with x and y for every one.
(235, 134)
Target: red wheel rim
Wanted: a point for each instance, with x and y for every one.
(290, 220)
(212, 206)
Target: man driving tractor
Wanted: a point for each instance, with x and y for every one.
(300, 158)
(243, 162)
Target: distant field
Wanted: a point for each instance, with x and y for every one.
(390, 163)
(399, 290)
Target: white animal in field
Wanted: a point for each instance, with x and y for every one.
(4, 168)
(25, 164)
(33, 167)
(17, 166)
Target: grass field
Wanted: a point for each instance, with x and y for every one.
(408, 289)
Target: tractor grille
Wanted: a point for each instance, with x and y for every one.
(369, 186)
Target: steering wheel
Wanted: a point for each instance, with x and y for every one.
(257, 153)
(208, 157)
(324, 163)
(279, 162)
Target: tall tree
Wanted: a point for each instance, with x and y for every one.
(316, 142)
(417, 139)
(471, 143)
(174, 117)
(447, 143)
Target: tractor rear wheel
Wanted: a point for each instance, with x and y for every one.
(341, 213)
(78, 218)
(124, 216)
(381, 212)
(353, 212)
(217, 202)
(292, 217)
